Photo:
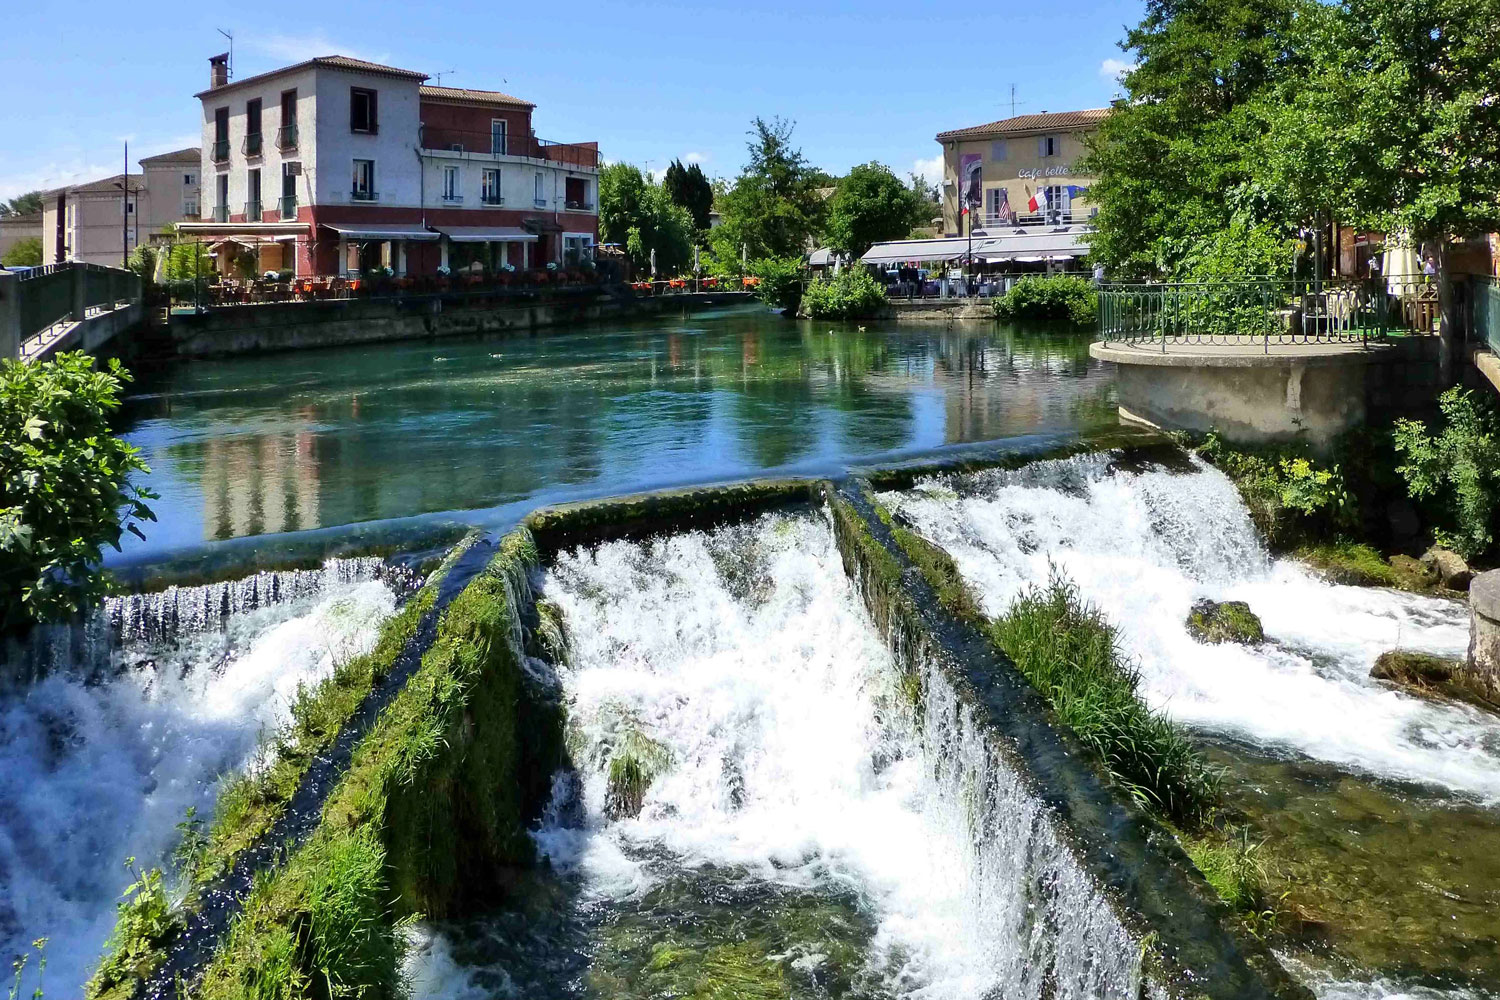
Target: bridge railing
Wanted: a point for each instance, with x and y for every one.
(33, 302)
(1267, 311)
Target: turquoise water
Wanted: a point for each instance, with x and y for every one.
(486, 428)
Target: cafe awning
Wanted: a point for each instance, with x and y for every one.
(381, 231)
(487, 234)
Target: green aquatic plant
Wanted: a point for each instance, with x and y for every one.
(1070, 653)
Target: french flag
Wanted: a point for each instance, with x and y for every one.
(1038, 202)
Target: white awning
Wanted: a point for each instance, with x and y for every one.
(487, 234)
(381, 231)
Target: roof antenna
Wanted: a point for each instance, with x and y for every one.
(439, 76)
(229, 35)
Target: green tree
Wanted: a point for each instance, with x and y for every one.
(24, 253)
(689, 188)
(65, 485)
(871, 206)
(774, 206)
(29, 203)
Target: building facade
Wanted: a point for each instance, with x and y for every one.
(1019, 171)
(102, 221)
(336, 164)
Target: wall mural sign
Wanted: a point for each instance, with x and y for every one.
(971, 183)
(1032, 173)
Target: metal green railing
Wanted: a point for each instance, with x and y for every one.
(1266, 311)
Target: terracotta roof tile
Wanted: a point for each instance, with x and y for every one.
(1030, 123)
(468, 96)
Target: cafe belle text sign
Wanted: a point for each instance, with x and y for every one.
(1032, 173)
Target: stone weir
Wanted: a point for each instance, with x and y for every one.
(420, 802)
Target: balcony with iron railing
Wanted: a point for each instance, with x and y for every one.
(286, 137)
(220, 150)
(251, 146)
(571, 155)
(289, 208)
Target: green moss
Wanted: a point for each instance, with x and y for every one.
(1224, 621)
(434, 804)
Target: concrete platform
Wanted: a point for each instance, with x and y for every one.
(1250, 392)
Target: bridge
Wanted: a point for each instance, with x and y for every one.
(68, 306)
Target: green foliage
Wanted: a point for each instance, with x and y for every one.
(851, 294)
(1070, 653)
(24, 253)
(1458, 467)
(29, 203)
(871, 206)
(687, 186)
(65, 485)
(773, 207)
(780, 281)
(145, 923)
(642, 217)
(1066, 297)
(1291, 495)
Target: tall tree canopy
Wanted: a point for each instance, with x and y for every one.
(689, 188)
(1249, 121)
(774, 205)
(872, 205)
(22, 204)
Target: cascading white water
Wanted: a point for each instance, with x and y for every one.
(1145, 545)
(175, 612)
(93, 772)
(793, 760)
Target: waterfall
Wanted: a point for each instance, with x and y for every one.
(104, 640)
(1145, 544)
(93, 771)
(802, 820)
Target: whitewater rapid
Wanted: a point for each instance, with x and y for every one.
(792, 763)
(93, 772)
(1144, 545)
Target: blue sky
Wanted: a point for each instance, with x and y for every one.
(863, 80)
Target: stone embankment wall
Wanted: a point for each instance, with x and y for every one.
(285, 326)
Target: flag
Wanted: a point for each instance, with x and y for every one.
(1038, 202)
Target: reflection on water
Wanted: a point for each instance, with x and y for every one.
(255, 445)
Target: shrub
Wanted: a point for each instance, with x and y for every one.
(1070, 653)
(65, 486)
(1058, 297)
(1459, 467)
(851, 294)
(780, 281)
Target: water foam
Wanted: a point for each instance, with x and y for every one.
(93, 772)
(748, 655)
(1145, 545)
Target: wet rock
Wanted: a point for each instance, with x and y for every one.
(1224, 621)
(1436, 676)
(1449, 566)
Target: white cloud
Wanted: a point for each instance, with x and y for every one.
(930, 170)
(1113, 69)
(300, 48)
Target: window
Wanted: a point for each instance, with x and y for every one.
(998, 151)
(490, 188)
(1047, 145)
(252, 127)
(362, 111)
(497, 135)
(540, 198)
(364, 180)
(450, 184)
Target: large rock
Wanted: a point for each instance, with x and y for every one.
(1449, 567)
(1226, 621)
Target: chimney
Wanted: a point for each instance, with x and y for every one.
(218, 70)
